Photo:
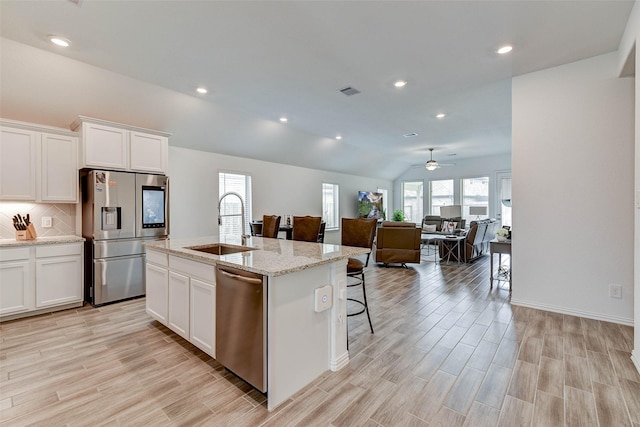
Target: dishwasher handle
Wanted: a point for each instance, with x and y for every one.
(252, 280)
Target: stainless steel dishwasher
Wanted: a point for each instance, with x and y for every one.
(241, 324)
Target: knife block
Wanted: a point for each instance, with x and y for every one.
(28, 234)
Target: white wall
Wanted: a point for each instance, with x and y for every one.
(469, 168)
(573, 162)
(277, 189)
(630, 58)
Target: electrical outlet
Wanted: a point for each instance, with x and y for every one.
(46, 222)
(615, 291)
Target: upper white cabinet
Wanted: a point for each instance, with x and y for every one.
(38, 163)
(59, 178)
(121, 147)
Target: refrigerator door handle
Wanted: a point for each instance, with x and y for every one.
(103, 272)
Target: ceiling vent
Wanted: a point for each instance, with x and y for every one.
(349, 91)
(410, 135)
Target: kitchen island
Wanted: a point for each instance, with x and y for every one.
(303, 337)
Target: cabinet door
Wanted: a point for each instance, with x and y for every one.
(104, 146)
(59, 179)
(179, 304)
(203, 316)
(157, 287)
(148, 153)
(17, 164)
(58, 280)
(15, 287)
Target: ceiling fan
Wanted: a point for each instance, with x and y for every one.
(432, 165)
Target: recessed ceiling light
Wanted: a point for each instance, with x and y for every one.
(505, 49)
(284, 119)
(400, 83)
(441, 116)
(60, 41)
(338, 137)
(410, 135)
(202, 90)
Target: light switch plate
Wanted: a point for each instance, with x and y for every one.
(323, 298)
(46, 222)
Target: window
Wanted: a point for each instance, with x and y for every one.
(412, 201)
(475, 192)
(230, 207)
(385, 202)
(505, 199)
(440, 194)
(330, 205)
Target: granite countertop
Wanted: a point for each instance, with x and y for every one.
(6, 243)
(271, 257)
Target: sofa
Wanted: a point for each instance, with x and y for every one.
(476, 243)
(398, 243)
(431, 220)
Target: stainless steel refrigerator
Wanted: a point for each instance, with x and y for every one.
(120, 211)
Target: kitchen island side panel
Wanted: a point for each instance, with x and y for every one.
(299, 344)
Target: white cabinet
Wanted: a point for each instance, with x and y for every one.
(148, 153)
(157, 287)
(38, 163)
(117, 146)
(203, 316)
(179, 304)
(59, 178)
(58, 274)
(40, 278)
(16, 289)
(181, 294)
(17, 164)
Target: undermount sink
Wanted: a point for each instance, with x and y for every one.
(220, 249)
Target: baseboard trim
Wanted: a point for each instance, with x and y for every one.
(564, 310)
(339, 362)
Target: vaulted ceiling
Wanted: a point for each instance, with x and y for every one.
(261, 60)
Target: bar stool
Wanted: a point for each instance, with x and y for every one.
(359, 232)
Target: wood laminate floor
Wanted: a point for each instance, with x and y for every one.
(446, 351)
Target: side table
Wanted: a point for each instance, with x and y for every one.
(499, 248)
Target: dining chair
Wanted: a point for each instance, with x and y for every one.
(358, 232)
(321, 232)
(256, 228)
(270, 226)
(306, 228)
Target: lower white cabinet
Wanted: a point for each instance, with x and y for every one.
(181, 294)
(203, 316)
(39, 278)
(16, 288)
(157, 291)
(58, 280)
(179, 304)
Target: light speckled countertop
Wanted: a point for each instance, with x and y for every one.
(271, 257)
(6, 243)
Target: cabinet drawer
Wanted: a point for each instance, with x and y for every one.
(158, 258)
(14, 254)
(193, 268)
(58, 250)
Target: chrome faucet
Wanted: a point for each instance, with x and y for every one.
(232, 193)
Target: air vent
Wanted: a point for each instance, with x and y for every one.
(349, 91)
(410, 135)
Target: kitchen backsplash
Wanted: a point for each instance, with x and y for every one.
(63, 218)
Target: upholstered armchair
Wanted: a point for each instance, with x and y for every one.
(398, 242)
